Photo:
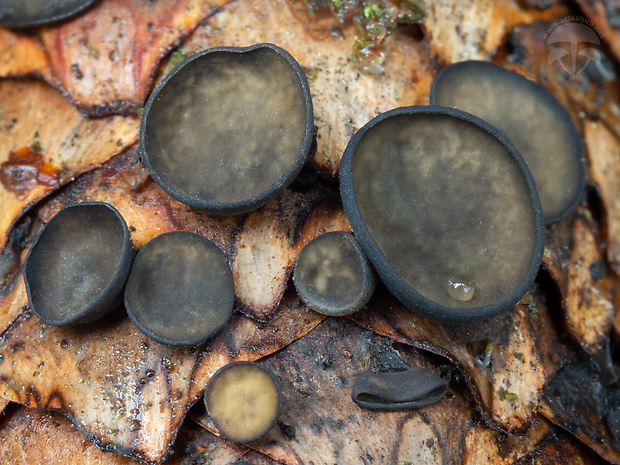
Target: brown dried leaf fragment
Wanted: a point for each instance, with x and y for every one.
(105, 59)
(45, 143)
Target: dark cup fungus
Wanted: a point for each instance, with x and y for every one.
(180, 289)
(446, 210)
(229, 128)
(28, 13)
(530, 117)
(244, 400)
(413, 388)
(77, 267)
(332, 274)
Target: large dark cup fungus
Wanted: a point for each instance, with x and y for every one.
(244, 400)
(332, 274)
(413, 388)
(229, 128)
(28, 13)
(530, 117)
(77, 267)
(446, 210)
(180, 290)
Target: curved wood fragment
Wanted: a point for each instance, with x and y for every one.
(45, 143)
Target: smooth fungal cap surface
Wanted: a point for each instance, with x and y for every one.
(444, 209)
(229, 128)
(530, 117)
(26, 13)
(180, 290)
(332, 275)
(78, 265)
(244, 400)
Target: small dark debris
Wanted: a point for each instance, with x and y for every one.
(597, 270)
(287, 430)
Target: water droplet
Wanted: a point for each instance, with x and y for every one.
(460, 289)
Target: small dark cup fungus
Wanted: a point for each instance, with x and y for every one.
(229, 128)
(28, 13)
(530, 117)
(332, 274)
(77, 267)
(446, 210)
(180, 289)
(413, 388)
(244, 400)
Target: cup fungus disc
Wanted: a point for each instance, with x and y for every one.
(27, 13)
(446, 210)
(530, 117)
(180, 289)
(244, 400)
(77, 267)
(229, 128)
(332, 274)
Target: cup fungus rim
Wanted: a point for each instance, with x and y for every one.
(277, 382)
(368, 285)
(549, 99)
(84, 5)
(108, 297)
(390, 277)
(157, 338)
(248, 204)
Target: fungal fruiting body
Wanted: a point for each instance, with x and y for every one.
(180, 290)
(77, 267)
(229, 128)
(332, 274)
(244, 400)
(445, 209)
(530, 117)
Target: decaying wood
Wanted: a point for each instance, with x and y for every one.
(515, 353)
(475, 30)
(45, 143)
(560, 450)
(604, 16)
(34, 436)
(22, 55)
(344, 99)
(104, 60)
(604, 161)
(128, 394)
(579, 399)
(325, 426)
(123, 391)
